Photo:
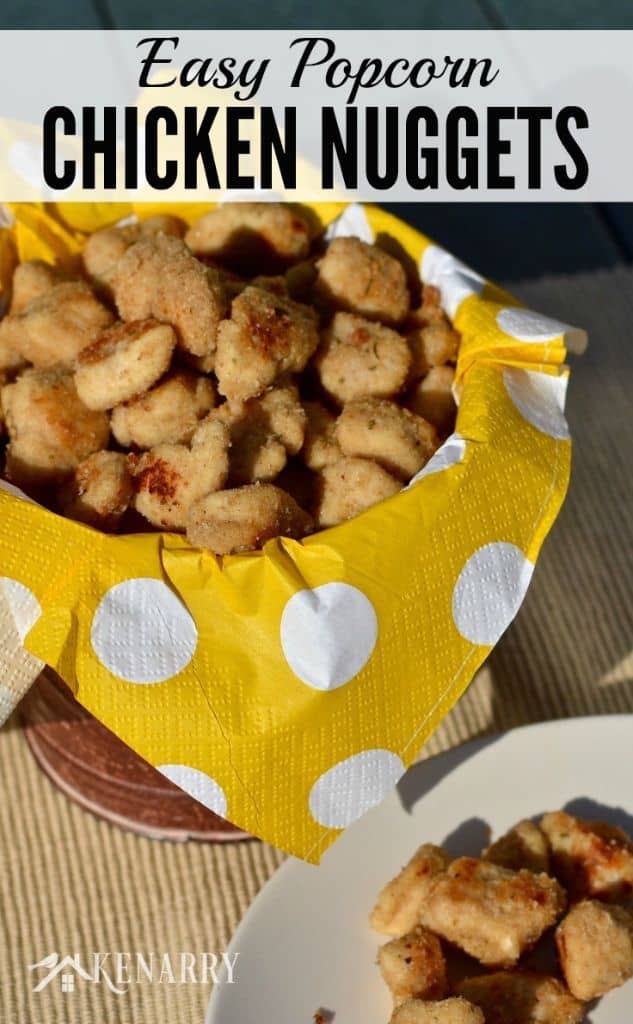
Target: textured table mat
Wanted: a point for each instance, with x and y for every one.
(71, 884)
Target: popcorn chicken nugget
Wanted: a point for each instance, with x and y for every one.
(348, 487)
(123, 362)
(99, 491)
(429, 311)
(363, 279)
(170, 478)
(51, 431)
(413, 966)
(493, 914)
(264, 431)
(168, 413)
(433, 345)
(591, 859)
(244, 518)
(320, 447)
(524, 846)
(251, 235)
(433, 399)
(522, 997)
(400, 903)
(454, 1010)
(395, 438)
(30, 280)
(595, 947)
(267, 337)
(359, 359)
(104, 248)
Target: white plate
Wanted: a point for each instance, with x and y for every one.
(305, 942)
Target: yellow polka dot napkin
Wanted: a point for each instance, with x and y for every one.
(289, 689)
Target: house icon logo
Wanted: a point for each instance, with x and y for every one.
(67, 969)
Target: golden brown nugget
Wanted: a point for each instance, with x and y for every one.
(243, 518)
(51, 431)
(399, 906)
(595, 948)
(432, 398)
(524, 846)
(358, 358)
(522, 997)
(170, 478)
(99, 491)
(267, 337)
(320, 447)
(56, 325)
(454, 1010)
(433, 345)
(346, 488)
(251, 235)
(395, 438)
(361, 278)
(264, 431)
(123, 362)
(591, 859)
(429, 311)
(104, 248)
(168, 413)
(413, 966)
(30, 280)
(493, 914)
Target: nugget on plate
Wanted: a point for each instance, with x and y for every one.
(432, 398)
(169, 478)
(524, 846)
(401, 442)
(493, 914)
(595, 948)
(399, 905)
(99, 491)
(522, 997)
(320, 447)
(123, 362)
(104, 248)
(267, 337)
(51, 431)
(358, 358)
(591, 859)
(243, 518)
(361, 278)
(348, 487)
(454, 1010)
(413, 966)
(30, 280)
(249, 236)
(168, 413)
(432, 345)
(264, 431)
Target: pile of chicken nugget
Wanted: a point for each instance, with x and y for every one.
(238, 380)
(545, 912)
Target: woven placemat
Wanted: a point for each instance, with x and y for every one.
(70, 884)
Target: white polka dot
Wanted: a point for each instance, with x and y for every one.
(526, 325)
(328, 634)
(15, 492)
(540, 398)
(353, 786)
(451, 453)
(352, 223)
(454, 279)
(197, 784)
(142, 632)
(25, 607)
(489, 591)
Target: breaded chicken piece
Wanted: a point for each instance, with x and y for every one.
(524, 846)
(99, 491)
(522, 997)
(251, 235)
(348, 487)
(55, 326)
(170, 478)
(363, 279)
(104, 248)
(168, 413)
(320, 447)
(595, 948)
(454, 1010)
(244, 518)
(358, 358)
(432, 398)
(399, 905)
(493, 914)
(591, 859)
(433, 345)
(429, 311)
(51, 432)
(30, 280)
(395, 438)
(264, 431)
(413, 966)
(123, 362)
(267, 337)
